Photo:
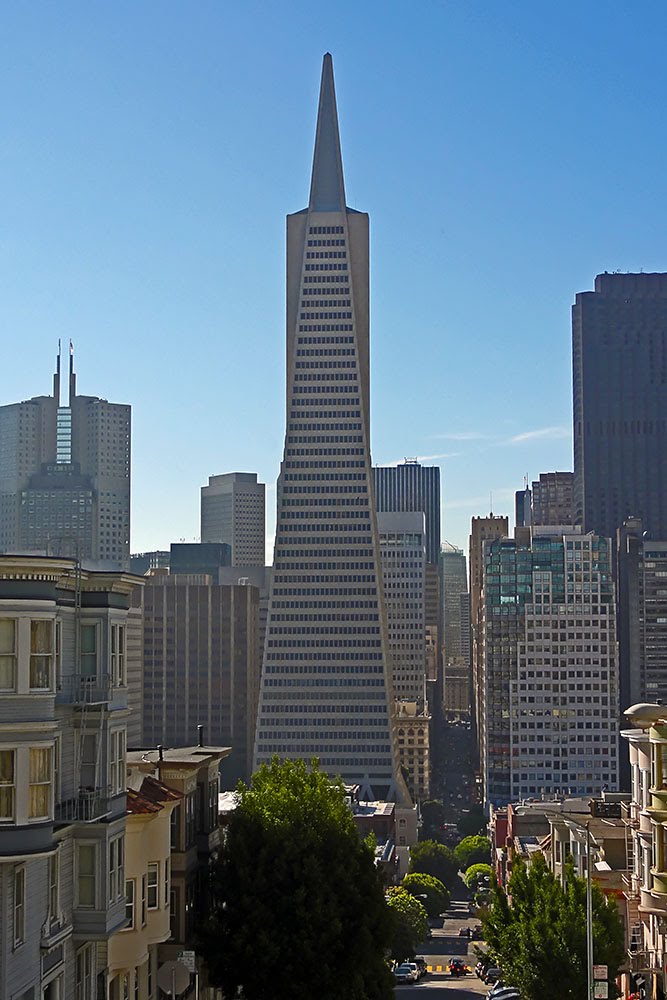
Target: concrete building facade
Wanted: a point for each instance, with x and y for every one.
(233, 512)
(65, 476)
(326, 680)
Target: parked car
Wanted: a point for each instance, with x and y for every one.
(406, 973)
(491, 975)
(422, 967)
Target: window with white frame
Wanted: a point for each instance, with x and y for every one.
(117, 757)
(58, 657)
(88, 649)
(7, 785)
(40, 782)
(144, 891)
(86, 875)
(116, 869)
(118, 655)
(54, 887)
(41, 654)
(85, 972)
(167, 880)
(129, 903)
(19, 905)
(7, 654)
(153, 885)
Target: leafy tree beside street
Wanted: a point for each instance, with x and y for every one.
(476, 874)
(471, 822)
(474, 850)
(435, 859)
(429, 891)
(539, 941)
(409, 923)
(298, 905)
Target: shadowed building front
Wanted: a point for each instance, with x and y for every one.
(326, 684)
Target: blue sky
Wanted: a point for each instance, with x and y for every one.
(149, 152)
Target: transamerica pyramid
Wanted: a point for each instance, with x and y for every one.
(325, 689)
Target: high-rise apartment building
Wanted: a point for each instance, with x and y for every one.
(65, 476)
(549, 676)
(619, 358)
(233, 511)
(482, 529)
(201, 665)
(326, 685)
(412, 487)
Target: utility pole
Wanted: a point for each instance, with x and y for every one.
(589, 913)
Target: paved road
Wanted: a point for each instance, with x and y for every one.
(444, 943)
(455, 989)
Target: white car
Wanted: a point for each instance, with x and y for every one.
(406, 973)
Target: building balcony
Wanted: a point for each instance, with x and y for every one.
(89, 805)
(630, 814)
(83, 689)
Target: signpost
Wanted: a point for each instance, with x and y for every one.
(600, 972)
(187, 958)
(601, 990)
(173, 978)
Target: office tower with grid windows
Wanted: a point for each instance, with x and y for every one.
(65, 476)
(233, 512)
(549, 673)
(619, 362)
(326, 686)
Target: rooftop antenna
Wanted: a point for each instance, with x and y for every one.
(490, 503)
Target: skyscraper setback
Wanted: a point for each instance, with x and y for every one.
(326, 686)
(65, 475)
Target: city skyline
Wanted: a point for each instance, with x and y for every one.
(133, 183)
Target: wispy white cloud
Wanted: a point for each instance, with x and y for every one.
(463, 436)
(541, 434)
(494, 497)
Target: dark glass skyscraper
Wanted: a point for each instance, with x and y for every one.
(619, 348)
(412, 487)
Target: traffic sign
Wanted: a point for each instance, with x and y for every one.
(601, 990)
(173, 979)
(187, 958)
(600, 972)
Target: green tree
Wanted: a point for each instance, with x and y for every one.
(435, 859)
(473, 851)
(298, 904)
(433, 816)
(409, 923)
(539, 940)
(476, 874)
(471, 822)
(429, 891)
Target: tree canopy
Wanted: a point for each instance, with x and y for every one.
(476, 874)
(298, 907)
(471, 822)
(474, 850)
(540, 940)
(435, 859)
(433, 815)
(409, 923)
(429, 890)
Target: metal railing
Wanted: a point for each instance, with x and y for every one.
(90, 804)
(82, 689)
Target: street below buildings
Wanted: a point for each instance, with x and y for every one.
(448, 942)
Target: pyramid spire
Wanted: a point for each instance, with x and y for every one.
(327, 188)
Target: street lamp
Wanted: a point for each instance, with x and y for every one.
(582, 836)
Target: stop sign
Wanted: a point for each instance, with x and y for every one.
(173, 978)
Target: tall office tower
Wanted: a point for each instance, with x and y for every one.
(326, 686)
(549, 719)
(553, 499)
(620, 405)
(641, 577)
(453, 583)
(412, 486)
(65, 476)
(482, 529)
(233, 511)
(62, 775)
(200, 665)
(403, 558)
